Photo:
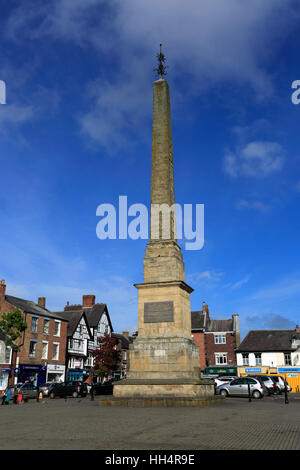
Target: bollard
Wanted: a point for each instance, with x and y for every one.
(249, 393)
(286, 399)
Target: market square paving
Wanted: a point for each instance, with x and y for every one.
(235, 424)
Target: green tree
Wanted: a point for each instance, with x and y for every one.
(12, 324)
(107, 357)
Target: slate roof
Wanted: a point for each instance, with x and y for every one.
(200, 321)
(73, 318)
(28, 306)
(219, 325)
(124, 340)
(93, 314)
(268, 340)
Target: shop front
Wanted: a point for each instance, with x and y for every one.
(56, 373)
(32, 373)
(77, 375)
(291, 374)
(4, 376)
(217, 370)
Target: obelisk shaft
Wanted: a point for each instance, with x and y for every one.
(162, 172)
(163, 260)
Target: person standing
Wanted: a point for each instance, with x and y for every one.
(8, 396)
(4, 396)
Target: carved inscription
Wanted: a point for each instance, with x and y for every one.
(155, 312)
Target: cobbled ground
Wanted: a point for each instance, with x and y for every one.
(236, 424)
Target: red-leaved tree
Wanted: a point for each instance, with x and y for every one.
(107, 356)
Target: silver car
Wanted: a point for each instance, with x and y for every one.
(239, 388)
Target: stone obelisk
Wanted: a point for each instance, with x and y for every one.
(164, 359)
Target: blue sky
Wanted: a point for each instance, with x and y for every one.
(76, 132)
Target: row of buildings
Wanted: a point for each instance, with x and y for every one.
(58, 345)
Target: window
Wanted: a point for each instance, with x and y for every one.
(7, 355)
(46, 326)
(55, 351)
(76, 344)
(56, 328)
(220, 339)
(287, 359)
(258, 359)
(221, 358)
(245, 359)
(32, 348)
(45, 350)
(34, 324)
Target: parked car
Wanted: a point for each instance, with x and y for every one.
(46, 388)
(277, 390)
(268, 383)
(224, 379)
(65, 389)
(239, 388)
(29, 390)
(281, 383)
(105, 388)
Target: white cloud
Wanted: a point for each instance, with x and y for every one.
(257, 205)
(240, 283)
(256, 159)
(206, 43)
(205, 276)
(14, 114)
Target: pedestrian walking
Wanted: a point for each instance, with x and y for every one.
(8, 396)
(20, 397)
(4, 396)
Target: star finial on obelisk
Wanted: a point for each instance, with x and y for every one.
(161, 69)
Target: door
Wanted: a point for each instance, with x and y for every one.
(251, 382)
(235, 387)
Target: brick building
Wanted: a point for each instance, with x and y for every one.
(123, 342)
(43, 344)
(217, 341)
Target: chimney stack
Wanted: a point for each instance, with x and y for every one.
(88, 300)
(2, 289)
(42, 302)
(297, 328)
(236, 329)
(205, 310)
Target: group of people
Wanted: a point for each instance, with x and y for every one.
(8, 395)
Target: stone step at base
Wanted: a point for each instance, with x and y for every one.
(160, 401)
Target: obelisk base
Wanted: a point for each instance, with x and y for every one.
(164, 366)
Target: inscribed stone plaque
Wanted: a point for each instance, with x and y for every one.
(155, 312)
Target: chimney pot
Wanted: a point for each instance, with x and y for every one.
(88, 300)
(42, 302)
(2, 288)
